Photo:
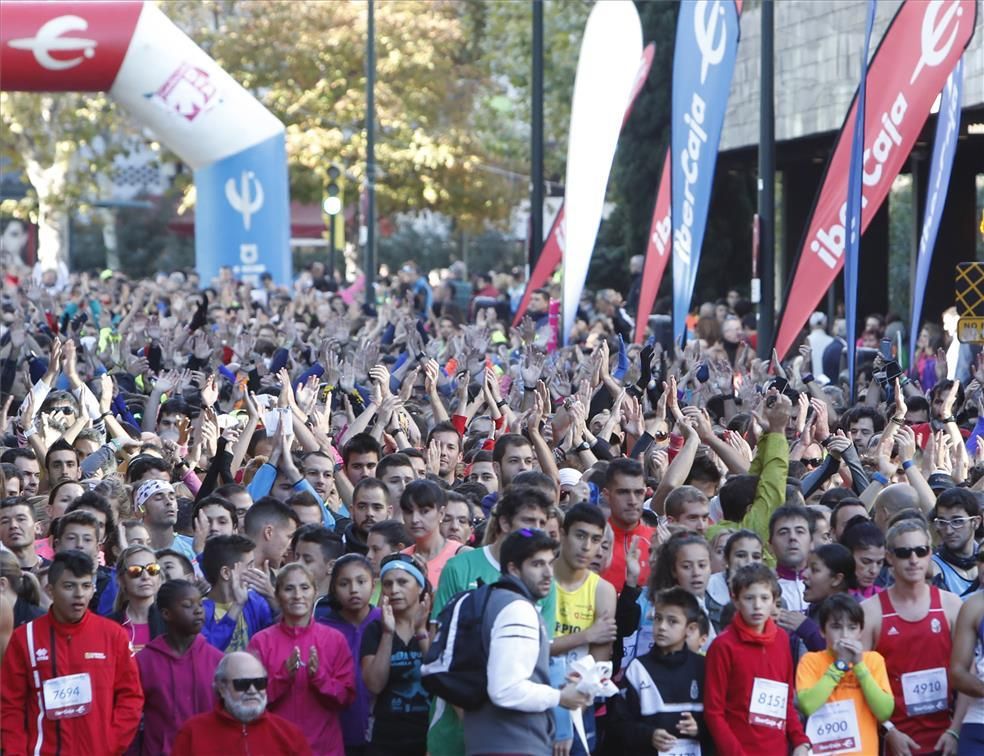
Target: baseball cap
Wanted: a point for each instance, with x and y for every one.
(818, 318)
(940, 482)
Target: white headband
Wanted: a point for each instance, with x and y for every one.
(147, 489)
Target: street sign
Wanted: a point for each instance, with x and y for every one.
(970, 330)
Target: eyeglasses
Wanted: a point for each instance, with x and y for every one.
(62, 410)
(957, 523)
(242, 684)
(136, 570)
(904, 552)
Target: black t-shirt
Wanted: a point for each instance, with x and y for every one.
(400, 710)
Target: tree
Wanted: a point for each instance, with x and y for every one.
(56, 140)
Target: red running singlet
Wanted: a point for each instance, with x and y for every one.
(917, 656)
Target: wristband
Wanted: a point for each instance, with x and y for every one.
(808, 378)
(907, 464)
(887, 724)
(501, 403)
(950, 419)
(899, 421)
(954, 733)
(880, 478)
(104, 414)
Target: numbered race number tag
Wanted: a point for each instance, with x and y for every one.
(925, 691)
(683, 747)
(833, 728)
(68, 696)
(768, 705)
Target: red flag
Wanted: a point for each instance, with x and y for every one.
(908, 70)
(657, 252)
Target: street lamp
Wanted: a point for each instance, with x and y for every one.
(332, 205)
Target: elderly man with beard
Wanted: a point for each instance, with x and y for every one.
(240, 722)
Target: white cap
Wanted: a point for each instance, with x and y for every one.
(818, 319)
(569, 476)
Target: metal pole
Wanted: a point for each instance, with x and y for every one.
(536, 132)
(370, 252)
(766, 188)
(331, 247)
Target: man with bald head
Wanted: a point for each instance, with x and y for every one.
(240, 721)
(891, 500)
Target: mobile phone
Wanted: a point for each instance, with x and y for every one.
(886, 349)
(154, 357)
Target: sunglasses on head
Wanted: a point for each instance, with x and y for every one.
(242, 684)
(904, 552)
(136, 570)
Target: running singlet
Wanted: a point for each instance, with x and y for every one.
(917, 656)
(576, 612)
(975, 712)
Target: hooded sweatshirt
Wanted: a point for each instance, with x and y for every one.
(176, 688)
(218, 733)
(312, 702)
(747, 673)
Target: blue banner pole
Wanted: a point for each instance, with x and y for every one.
(855, 203)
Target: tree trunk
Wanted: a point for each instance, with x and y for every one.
(53, 220)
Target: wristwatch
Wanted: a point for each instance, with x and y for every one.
(842, 665)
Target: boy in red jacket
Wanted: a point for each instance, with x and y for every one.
(748, 693)
(70, 684)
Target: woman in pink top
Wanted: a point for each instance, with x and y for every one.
(423, 503)
(310, 667)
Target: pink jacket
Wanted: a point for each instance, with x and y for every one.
(313, 702)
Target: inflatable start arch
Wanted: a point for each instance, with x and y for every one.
(169, 84)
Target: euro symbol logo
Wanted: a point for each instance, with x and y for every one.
(932, 33)
(705, 29)
(244, 201)
(49, 39)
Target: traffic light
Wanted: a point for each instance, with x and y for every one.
(332, 204)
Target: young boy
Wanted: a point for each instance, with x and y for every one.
(660, 707)
(844, 692)
(748, 703)
(176, 669)
(233, 614)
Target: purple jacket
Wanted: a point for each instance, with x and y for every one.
(355, 719)
(176, 688)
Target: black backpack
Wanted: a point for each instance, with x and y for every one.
(454, 667)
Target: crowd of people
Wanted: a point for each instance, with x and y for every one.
(243, 518)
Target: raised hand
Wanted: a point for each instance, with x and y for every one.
(312, 662)
(387, 619)
(293, 662)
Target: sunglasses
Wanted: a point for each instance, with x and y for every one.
(812, 461)
(136, 570)
(660, 435)
(62, 410)
(242, 684)
(903, 552)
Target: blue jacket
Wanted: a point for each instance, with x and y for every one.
(256, 611)
(263, 481)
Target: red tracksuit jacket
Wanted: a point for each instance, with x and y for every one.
(45, 649)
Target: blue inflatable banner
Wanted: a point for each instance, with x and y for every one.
(944, 148)
(852, 218)
(242, 214)
(703, 63)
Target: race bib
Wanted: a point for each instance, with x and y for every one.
(925, 691)
(683, 747)
(768, 705)
(833, 728)
(67, 697)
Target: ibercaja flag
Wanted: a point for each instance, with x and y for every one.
(920, 48)
(703, 63)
